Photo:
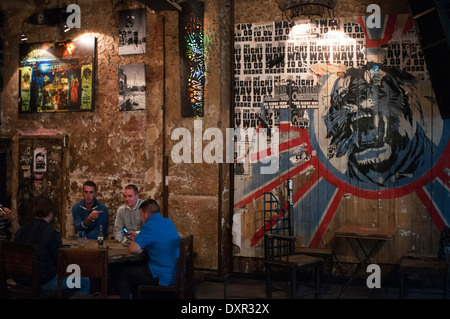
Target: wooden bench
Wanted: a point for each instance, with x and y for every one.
(422, 265)
(325, 253)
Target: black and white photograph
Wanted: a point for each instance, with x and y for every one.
(132, 32)
(132, 87)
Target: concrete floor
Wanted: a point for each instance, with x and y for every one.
(245, 287)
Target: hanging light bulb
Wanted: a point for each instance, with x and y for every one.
(333, 23)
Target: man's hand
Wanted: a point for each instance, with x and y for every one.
(8, 213)
(131, 235)
(93, 216)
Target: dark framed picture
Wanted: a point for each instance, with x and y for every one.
(57, 76)
(132, 87)
(192, 58)
(132, 31)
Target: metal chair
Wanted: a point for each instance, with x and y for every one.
(184, 285)
(422, 265)
(326, 254)
(279, 254)
(93, 263)
(279, 248)
(20, 260)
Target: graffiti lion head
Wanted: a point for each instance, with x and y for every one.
(376, 120)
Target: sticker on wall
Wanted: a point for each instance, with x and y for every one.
(40, 160)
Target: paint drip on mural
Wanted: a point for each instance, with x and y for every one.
(356, 111)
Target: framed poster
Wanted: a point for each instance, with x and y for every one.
(192, 59)
(132, 87)
(57, 76)
(132, 31)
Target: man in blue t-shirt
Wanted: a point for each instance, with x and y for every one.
(160, 239)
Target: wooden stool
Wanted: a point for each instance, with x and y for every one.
(325, 253)
(422, 265)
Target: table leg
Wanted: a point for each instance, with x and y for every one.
(376, 247)
(362, 261)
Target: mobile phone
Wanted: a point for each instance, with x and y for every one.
(125, 230)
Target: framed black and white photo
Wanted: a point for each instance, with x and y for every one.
(132, 32)
(132, 87)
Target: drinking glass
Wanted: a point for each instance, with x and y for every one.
(81, 239)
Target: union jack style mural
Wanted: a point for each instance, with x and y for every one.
(356, 119)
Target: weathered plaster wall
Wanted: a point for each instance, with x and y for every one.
(199, 192)
(116, 148)
(109, 147)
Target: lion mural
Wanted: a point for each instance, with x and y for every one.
(376, 120)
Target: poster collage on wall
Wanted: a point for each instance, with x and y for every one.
(271, 59)
(352, 104)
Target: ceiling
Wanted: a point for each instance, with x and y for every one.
(157, 5)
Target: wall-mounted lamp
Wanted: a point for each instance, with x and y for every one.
(309, 8)
(51, 17)
(23, 36)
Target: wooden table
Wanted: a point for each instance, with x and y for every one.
(355, 235)
(117, 253)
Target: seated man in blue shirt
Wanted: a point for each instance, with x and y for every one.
(90, 213)
(160, 239)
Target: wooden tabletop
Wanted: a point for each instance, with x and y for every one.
(116, 251)
(368, 232)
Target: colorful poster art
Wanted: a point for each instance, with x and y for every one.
(192, 59)
(361, 138)
(57, 76)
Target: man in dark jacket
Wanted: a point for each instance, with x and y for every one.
(39, 231)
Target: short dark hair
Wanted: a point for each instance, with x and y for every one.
(90, 184)
(133, 187)
(150, 206)
(43, 206)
